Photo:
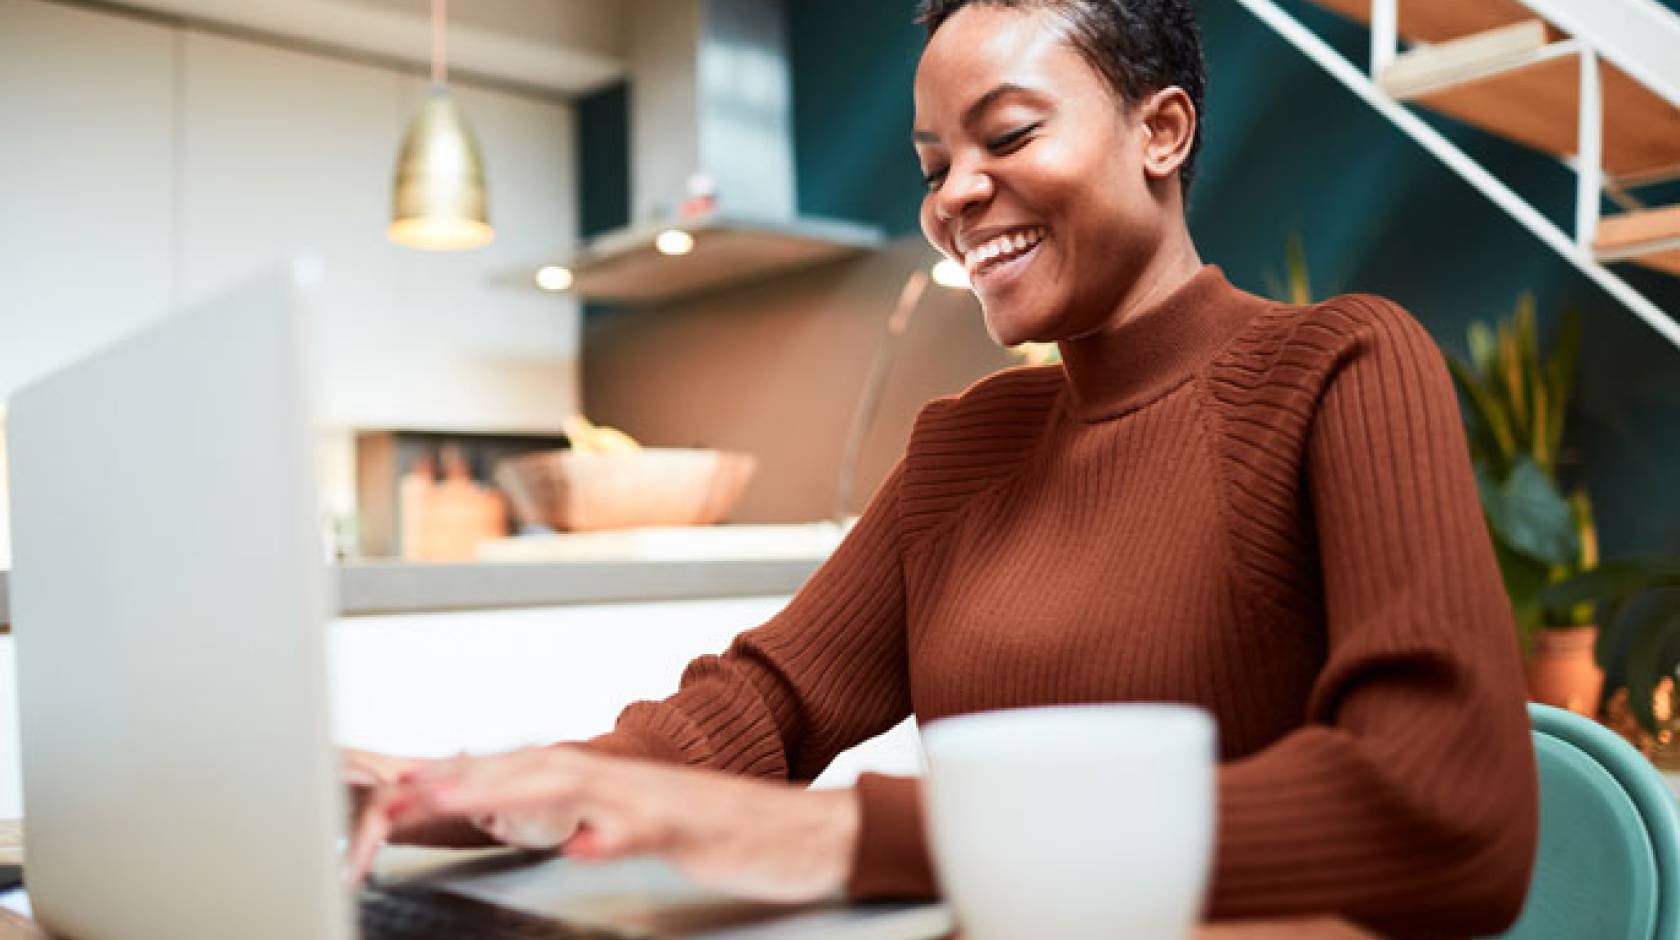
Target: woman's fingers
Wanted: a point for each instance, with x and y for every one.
(544, 828)
(541, 797)
(387, 809)
(373, 827)
(536, 777)
(370, 768)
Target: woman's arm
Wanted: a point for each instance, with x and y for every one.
(825, 673)
(1409, 800)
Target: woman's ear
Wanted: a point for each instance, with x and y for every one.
(1169, 121)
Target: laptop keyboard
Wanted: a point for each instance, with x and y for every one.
(412, 912)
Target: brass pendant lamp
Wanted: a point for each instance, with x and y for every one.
(438, 200)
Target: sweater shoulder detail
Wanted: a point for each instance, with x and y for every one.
(1264, 390)
(965, 443)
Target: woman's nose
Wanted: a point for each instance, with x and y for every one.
(963, 189)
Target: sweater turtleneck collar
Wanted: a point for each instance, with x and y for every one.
(1118, 370)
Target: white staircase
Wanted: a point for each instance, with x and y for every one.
(1594, 82)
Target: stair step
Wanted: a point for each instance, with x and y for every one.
(1535, 105)
(1510, 85)
(1439, 20)
(1430, 68)
(1648, 236)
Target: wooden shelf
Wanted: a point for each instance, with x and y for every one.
(626, 267)
(1647, 236)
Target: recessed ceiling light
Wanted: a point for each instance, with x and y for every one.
(674, 241)
(553, 277)
(948, 273)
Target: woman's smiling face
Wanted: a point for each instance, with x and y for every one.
(1035, 174)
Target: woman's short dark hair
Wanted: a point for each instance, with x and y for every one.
(1139, 46)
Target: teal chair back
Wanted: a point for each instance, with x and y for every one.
(1609, 860)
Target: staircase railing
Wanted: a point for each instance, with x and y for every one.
(1641, 40)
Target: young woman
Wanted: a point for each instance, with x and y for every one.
(1263, 509)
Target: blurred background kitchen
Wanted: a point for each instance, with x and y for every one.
(623, 404)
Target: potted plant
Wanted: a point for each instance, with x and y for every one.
(1638, 605)
(1514, 403)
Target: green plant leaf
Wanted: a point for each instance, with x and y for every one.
(1541, 442)
(1511, 374)
(1300, 285)
(1528, 513)
(1610, 648)
(1528, 340)
(1489, 432)
(1524, 579)
(1653, 653)
(1528, 348)
(1295, 287)
(1483, 349)
(1586, 534)
(1615, 580)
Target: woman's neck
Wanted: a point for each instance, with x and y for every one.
(1173, 264)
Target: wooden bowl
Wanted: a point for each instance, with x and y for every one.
(654, 486)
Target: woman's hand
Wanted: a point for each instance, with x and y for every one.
(750, 838)
(364, 772)
(367, 773)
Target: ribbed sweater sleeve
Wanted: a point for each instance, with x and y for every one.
(1407, 801)
(826, 672)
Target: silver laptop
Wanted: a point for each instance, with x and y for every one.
(169, 603)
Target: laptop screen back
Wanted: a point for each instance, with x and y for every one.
(169, 603)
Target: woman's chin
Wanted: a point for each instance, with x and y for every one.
(1007, 331)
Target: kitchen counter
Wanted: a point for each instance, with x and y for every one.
(398, 587)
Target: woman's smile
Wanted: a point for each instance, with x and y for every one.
(1002, 258)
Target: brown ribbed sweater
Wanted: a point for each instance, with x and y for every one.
(1263, 509)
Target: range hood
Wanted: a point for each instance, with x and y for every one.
(710, 98)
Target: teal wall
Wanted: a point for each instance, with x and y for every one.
(602, 129)
(1288, 150)
(853, 64)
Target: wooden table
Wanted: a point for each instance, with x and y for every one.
(14, 927)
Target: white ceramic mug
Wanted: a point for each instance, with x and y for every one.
(1074, 822)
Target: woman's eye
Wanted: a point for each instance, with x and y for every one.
(932, 179)
(1005, 141)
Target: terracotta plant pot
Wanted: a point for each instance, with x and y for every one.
(1562, 672)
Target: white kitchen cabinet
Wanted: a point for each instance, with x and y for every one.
(160, 164)
(435, 684)
(86, 208)
(488, 680)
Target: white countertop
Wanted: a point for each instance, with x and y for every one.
(402, 587)
(658, 564)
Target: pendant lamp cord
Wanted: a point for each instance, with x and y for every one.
(440, 71)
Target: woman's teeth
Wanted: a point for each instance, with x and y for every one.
(997, 250)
